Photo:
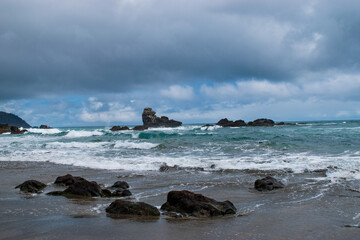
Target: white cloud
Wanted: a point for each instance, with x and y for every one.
(178, 92)
(253, 90)
(115, 113)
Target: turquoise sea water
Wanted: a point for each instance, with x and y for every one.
(333, 146)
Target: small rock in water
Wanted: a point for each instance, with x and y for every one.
(45, 127)
(267, 184)
(118, 128)
(31, 186)
(140, 128)
(120, 208)
(196, 205)
(120, 184)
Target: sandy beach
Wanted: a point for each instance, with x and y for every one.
(272, 215)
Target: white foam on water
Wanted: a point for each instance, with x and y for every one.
(210, 128)
(135, 145)
(175, 129)
(44, 131)
(82, 145)
(79, 134)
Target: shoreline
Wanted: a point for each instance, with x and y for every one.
(275, 215)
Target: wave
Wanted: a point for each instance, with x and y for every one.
(79, 134)
(44, 131)
(82, 145)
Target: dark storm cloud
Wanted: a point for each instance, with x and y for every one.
(60, 47)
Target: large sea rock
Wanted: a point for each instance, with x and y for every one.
(226, 123)
(151, 120)
(262, 122)
(120, 208)
(196, 205)
(12, 120)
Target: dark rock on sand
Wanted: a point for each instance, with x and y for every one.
(67, 180)
(31, 186)
(140, 128)
(16, 130)
(106, 193)
(196, 205)
(226, 123)
(120, 207)
(262, 122)
(151, 120)
(84, 188)
(12, 120)
(267, 184)
(120, 184)
(45, 127)
(118, 128)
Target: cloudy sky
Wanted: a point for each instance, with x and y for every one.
(93, 62)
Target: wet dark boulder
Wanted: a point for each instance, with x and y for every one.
(196, 205)
(151, 120)
(140, 128)
(31, 186)
(45, 127)
(118, 128)
(16, 130)
(226, 123)
(262, 122)
(120, 208)
(83, 188)
(120, 184)
(208, 125)
(67, 180)
(268, 183)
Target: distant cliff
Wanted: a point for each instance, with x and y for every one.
(12, 120)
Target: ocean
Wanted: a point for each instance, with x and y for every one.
(319, 162)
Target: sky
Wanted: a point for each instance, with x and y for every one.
(93, 62)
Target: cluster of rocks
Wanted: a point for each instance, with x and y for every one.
(5, 128)
(150, 119)
(178, 203)
(262, 122)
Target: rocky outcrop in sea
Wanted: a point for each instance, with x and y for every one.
(151, 120)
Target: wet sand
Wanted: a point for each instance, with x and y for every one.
(305, 209)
